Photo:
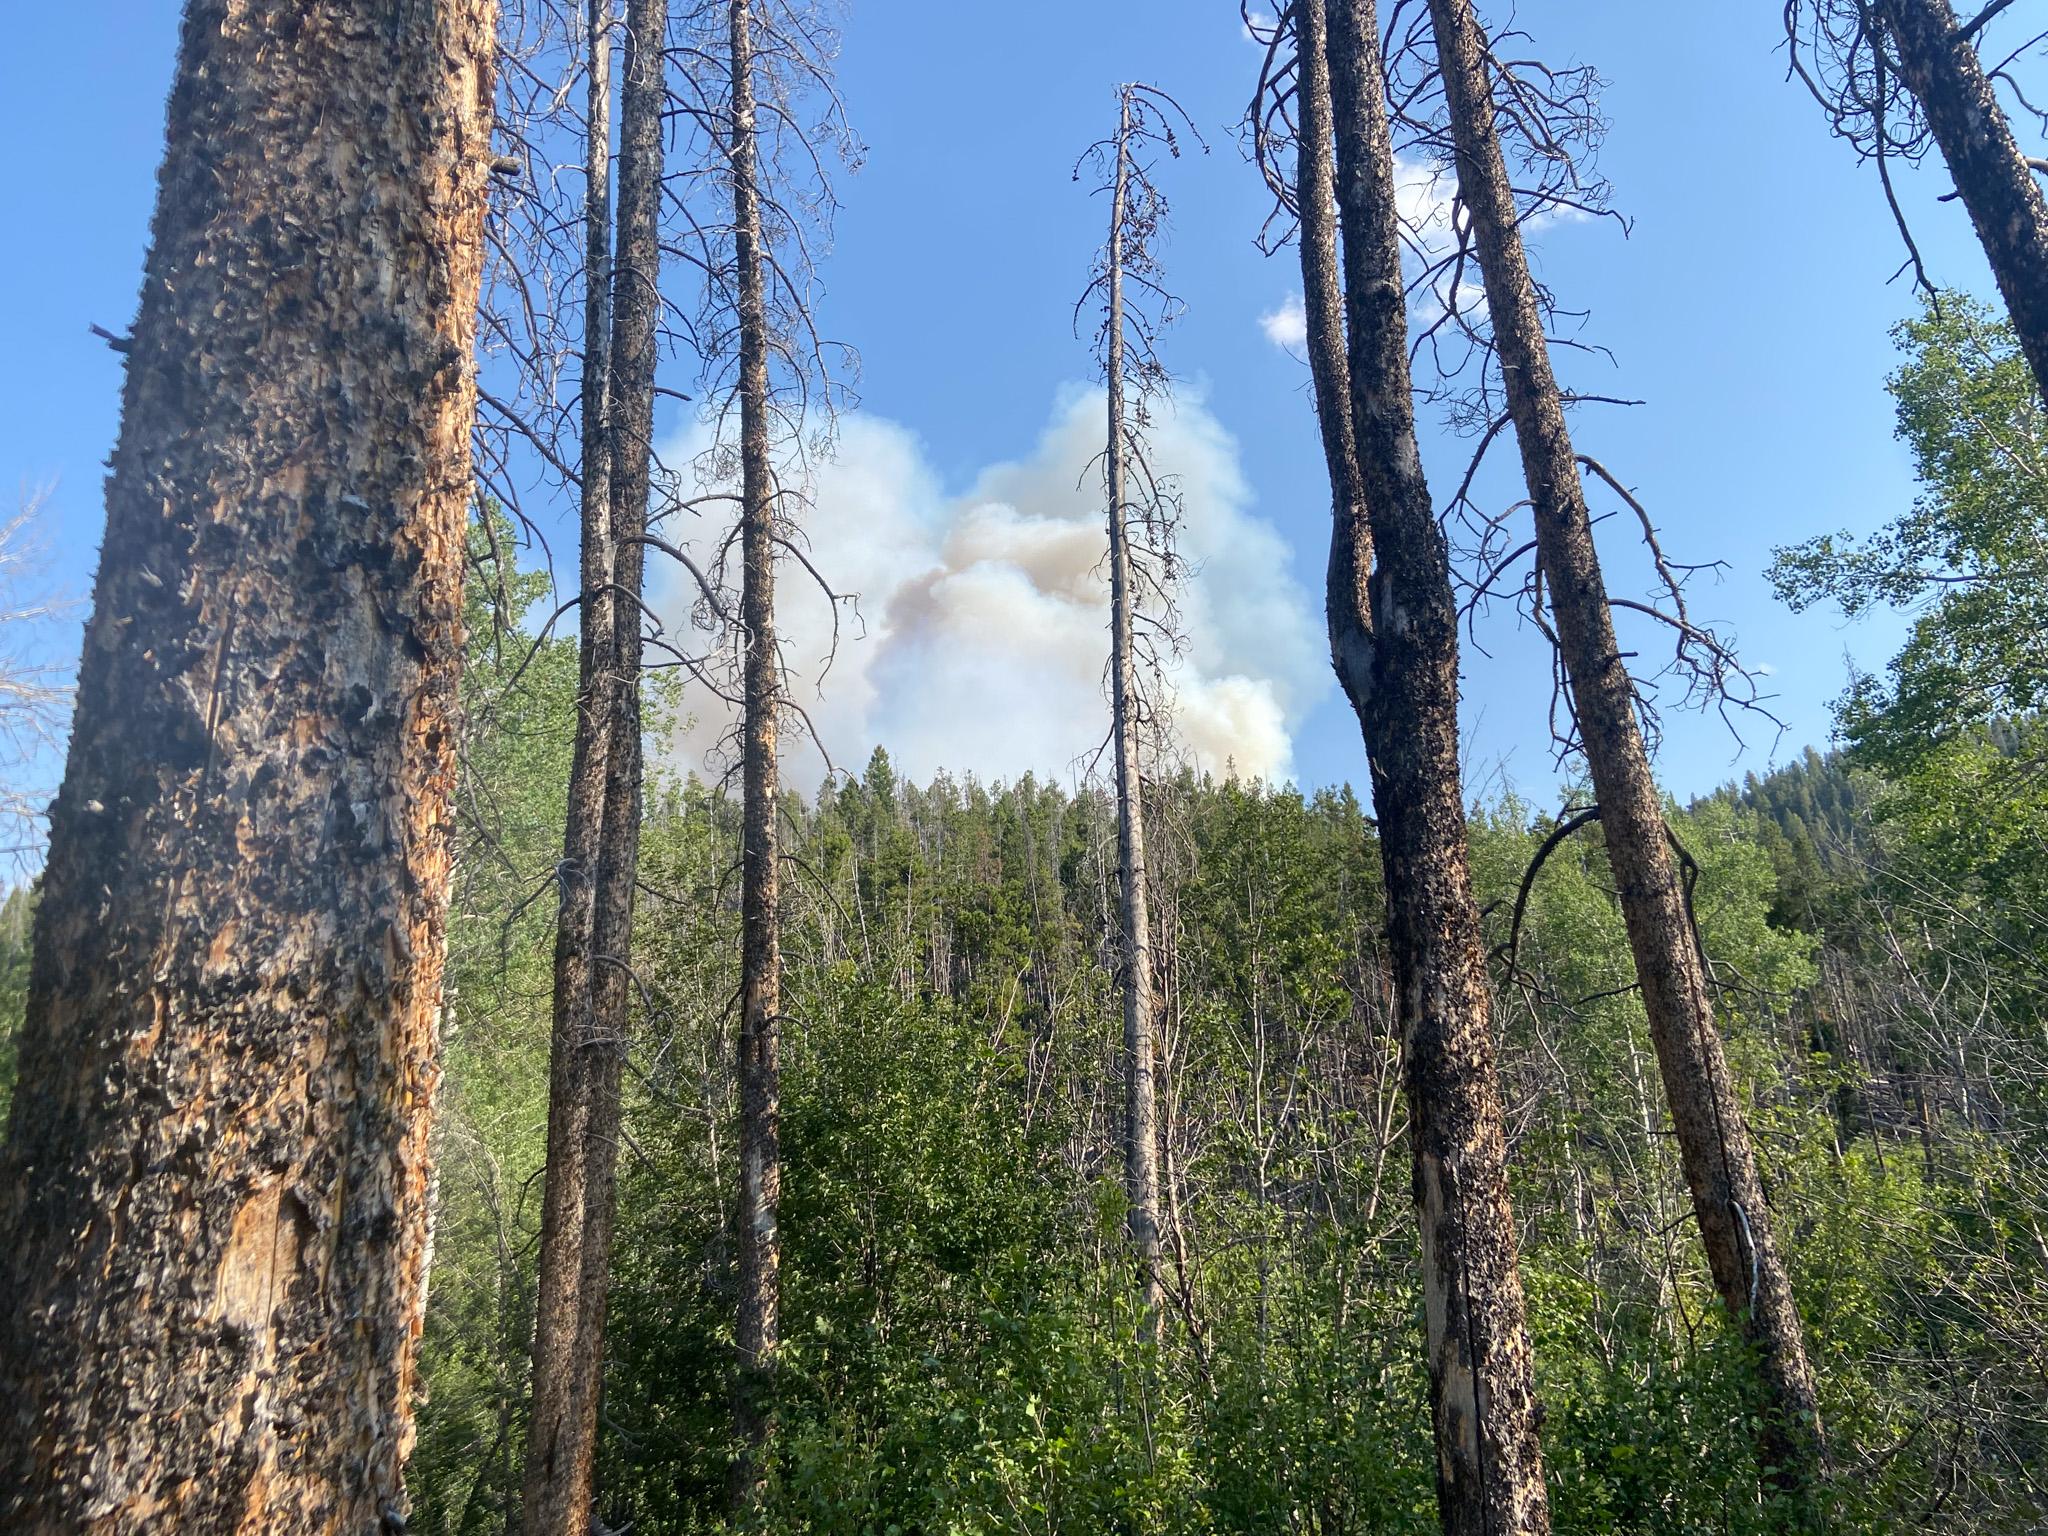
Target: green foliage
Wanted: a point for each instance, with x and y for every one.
(518, 696)
(960, 1351)
(1924, 1264)
(1972, 553)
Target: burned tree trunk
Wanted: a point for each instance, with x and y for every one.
(636, 325)
(562, 1422)
(1347, 590)
(601, 855)
(1395, 639)
(1141, 1113)
(1713, 1140)
(1940, 66)
(760, 1247)
(215, 1174)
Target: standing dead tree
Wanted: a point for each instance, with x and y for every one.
(1142, 510)
(216, 1176)
(561, 1426)
(1897, 77)
(1713, 1138)
(1394, 643)
(593, 938)
(763, 119)
(760, 1301)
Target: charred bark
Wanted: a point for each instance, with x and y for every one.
(591, 1038)
(1141, 1111)
(1713, 1139)
(760, 1248)
(214, 1197)
(1940, 67)
(1395, 643)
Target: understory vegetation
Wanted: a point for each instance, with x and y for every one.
(1022, 1158)
(961, 1354)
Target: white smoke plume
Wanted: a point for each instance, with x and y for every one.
(984, 617)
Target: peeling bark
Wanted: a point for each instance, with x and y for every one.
(213, 1196)
(601, 857)
(1713, 1139)
(1394, 640)
(1942, 69)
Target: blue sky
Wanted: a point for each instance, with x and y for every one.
(1750, 308)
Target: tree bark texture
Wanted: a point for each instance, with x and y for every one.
(1942, 69)
(1141, 1109)
(1713, 1138)
(558, 1450)
(1348, 597)
(592, 1033)
(1398, 663)
(760, 1249)
(213, 1195)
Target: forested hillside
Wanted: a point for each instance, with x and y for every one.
(961, 1355)
(960, 1347)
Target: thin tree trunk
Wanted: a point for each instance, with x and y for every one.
(581, 1202)
(1141, 1113)
(1347, 590)
(1713, 1141)
(213, 1190)
(1395, 639)
(561, 1428)
(1997, 184)
(760, 1248)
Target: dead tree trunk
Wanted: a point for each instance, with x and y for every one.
(760, 1248)
(1713, 1140)
(213, 1207)
(636, 330)
(1940, 66)
(1347, 589)
(561, 1427)
(1395, 639)
(1141, 1114)
(601, 860)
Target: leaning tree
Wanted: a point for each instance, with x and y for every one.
(1713, 1138)
(1900, 77)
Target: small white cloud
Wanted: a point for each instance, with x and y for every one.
(1425, 195)
(1287, 326)
(1257, 26)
